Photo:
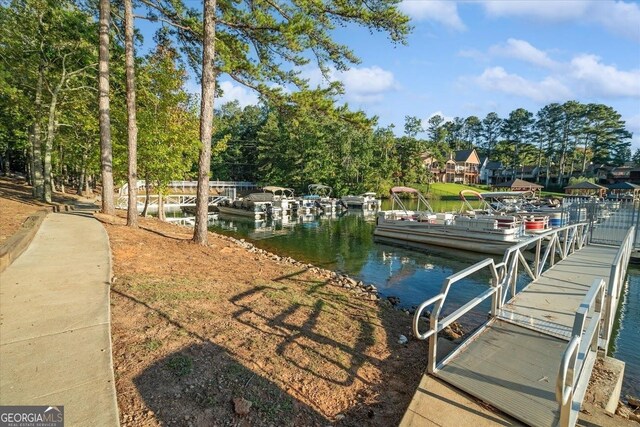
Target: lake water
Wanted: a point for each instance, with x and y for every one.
(347, 244)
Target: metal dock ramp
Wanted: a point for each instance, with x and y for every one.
(533, 358)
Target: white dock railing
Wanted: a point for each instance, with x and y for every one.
(582, 350)
(599, 307)
(169, 200)
(559, 242)
(616, 283)
(192, 185)
(581, 354)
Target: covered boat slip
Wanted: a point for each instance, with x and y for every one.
(449, 237)
(485, 234)
(519, 362)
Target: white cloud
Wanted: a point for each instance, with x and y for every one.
(633, 124)
(547, 90)
(473, 54)
(524, 51)
(441, 11)
(583, 75)
(367, 84)
(233, 92)
(619, 17)
(543, 10)
(604, 80)
(437, 113)
(363, 85)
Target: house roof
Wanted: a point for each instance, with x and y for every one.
(585, 185)
(463, 155)
(621, 171)
(519, 183)
(494, 165)
(624, 186)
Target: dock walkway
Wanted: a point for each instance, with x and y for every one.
(513, 363)
(55, 342)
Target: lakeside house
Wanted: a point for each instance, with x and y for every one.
(462, 167)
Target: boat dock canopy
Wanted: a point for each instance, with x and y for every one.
(403, 190)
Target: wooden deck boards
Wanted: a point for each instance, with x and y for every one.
(514, 363)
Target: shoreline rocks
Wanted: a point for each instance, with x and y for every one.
(365, 291)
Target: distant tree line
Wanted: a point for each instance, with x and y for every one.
(299, 145)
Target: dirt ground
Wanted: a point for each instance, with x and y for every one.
(17, 203)
(196, 327)
(219, 335)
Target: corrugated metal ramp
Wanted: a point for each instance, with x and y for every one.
(512, 368)
(513, 364)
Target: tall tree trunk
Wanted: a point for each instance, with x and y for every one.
(61, 169)
(147, 194)
(546, 178)
(161, 215)
(584, 153)
(132, 127)
(83, 174)
(37, 165)
(29, 164)
(51, 132)
(6, 163)
(206, 122)
(106, 155)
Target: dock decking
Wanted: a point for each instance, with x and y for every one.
(514, 362)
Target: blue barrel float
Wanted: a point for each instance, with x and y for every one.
(556, 219)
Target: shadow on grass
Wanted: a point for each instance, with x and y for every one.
(197, 385)
(19, 191)
(245, 356)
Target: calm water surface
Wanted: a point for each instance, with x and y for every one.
(347, 244)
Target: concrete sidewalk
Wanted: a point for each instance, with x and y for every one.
(55, 341)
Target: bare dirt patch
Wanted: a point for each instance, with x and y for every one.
(216, 335)
(17, 203)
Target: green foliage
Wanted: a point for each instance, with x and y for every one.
(167, 121)
(49, 52)
(180, 365)
(578, 179)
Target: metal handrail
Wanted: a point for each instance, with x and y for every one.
(176, 199)
(563, 390)
(503, 274)
(436, 325)
(191, 184)
(574, 237)
(577, 360)
(616, 281)
(418, 314)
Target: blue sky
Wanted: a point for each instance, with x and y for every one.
(475, 57)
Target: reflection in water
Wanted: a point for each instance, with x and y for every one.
(345, 243)
(626, 343)
(413, 274)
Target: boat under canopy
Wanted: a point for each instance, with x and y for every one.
(364, 201)
(255, 205)
(485, 233)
